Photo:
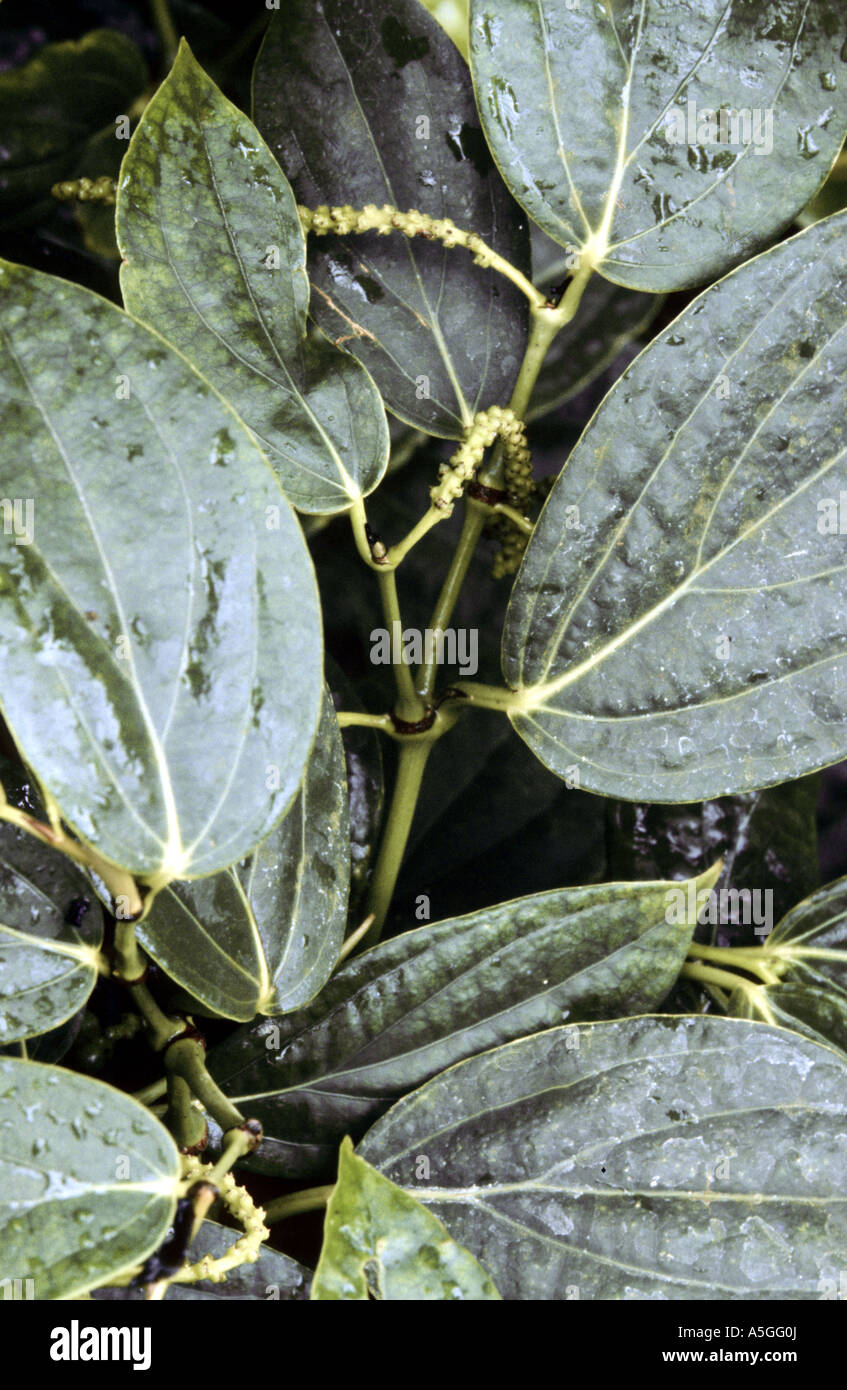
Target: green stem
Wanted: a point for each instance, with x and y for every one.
(410, 707)
(151, 1093)
(161, 1027)
(430, 518)
(708, 974)
(725, 980)
(498, 697)
(186, 1058)
(739, 957)
(472, 528)
(237, 1143)
(411, 761)
(352, 718)
(186, 1124)
(517, 519)
(121, 885)
(310, 1199)
(165, 28)
(546, 322)
(352, 941)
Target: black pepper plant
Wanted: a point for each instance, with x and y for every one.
(614, 1064)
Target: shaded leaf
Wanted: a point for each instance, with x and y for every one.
(667, 144)
(766, 839)
(376, 106)
(263, 936)
(494, 823)
(685, 639)
(154, 672)
(215, 259)
(88, 1180)
(381, 1243)
(52, 107)
(656, 1157)
(403, 1011)
(810, 944)
(51, 930)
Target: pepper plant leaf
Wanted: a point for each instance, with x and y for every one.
(380, 1243)
(663, 145)
(655, 1157)
(215, 259)
(51, 930)
(403, 1011)
(160, 633)
(676, 631)
(263, 936)
(88, 1180)
(442, 337)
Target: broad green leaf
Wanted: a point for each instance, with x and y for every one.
(677, 629)
(88, 1180)
(375, 105)
(51, 930)
(215, 259)
(264, 936)
(52, 107)
(663, 144)
(766, 839)
(656, 1157)
(380, 1243)
(273, 1277)
(160, 635)
(610, 317)
(403, 1011)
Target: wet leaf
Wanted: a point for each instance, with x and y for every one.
(676, 631)
(88, 1180)
(216, 261)
(657, 1157)
(375, 105)
(51, 930)
(665, 143)
(766, 839)
(403, 1011)
(263, 936)
(381, 1243)
(161, 654)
